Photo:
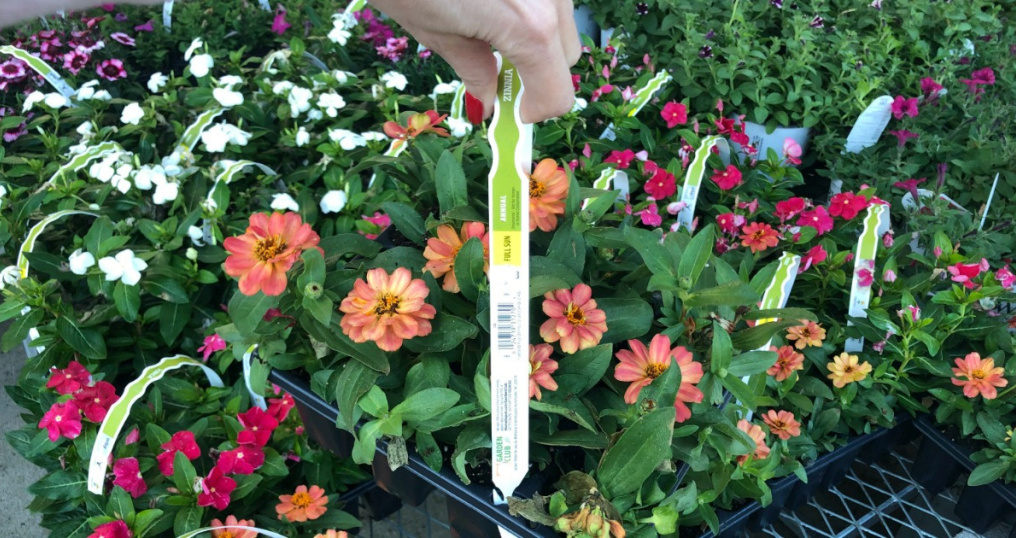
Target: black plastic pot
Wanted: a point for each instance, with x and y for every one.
(939, 463)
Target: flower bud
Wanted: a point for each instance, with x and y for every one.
(313, 290)
(192, 254)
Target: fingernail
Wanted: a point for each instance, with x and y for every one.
(474, 109)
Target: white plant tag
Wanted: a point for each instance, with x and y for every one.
(694, 176)
(870, 125)
(876, 224)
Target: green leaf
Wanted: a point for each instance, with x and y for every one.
(247, 311)
(560, 409)
(172, 319)
(579, 438)
(740, 390)
(637, 453)
(429, 450)
(432, 371)
(729, 294)
(426, 404)
(468, 268)
(128, 300)
(760, 335)
(407, 221)
(167, 289)
(626, 318)
(187, 520)
(472, 438)
(59, 486)
(332, 336)
(313, 270)
(100, 231)
(696, 255)
(355, 244)
(582, 371)
(85, 341)
(568, 247)
(354, 381)
(120, 505)
(751, 363)
(722, 350)
(275, 464)
(648, 244)
(987, 473)
(146, 520)
(447, 333)
(184, 473)
(19, 328)
(450, 182)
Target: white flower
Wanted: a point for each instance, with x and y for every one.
(85, 129)
(102, 95)
(171, 164)
(124, 267)
(121, 179)
(217, 136)
(86, 91)
(302, 137)
(227, 98)
(32, 99)
(579, 105)
(55, 100)
(103, 170)
(299, 100)
(132, 114)
(195, 45)
(339, 34)
(3, 192)
(80, 261)
(330, 103)
(165, 191)
(445, 87)
(148, 176)
(333, 201)
(284, 201)
(229, 81)
(9, 275)
(347, 139)
(191, 254)
(156, 82)
(394, 80)
(201, 64)
(347, 20)
(197, 235)
(282, 87)
(373, 136)
(343, 76)
(458, 127)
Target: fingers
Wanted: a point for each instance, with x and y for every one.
(473, 61)
(538, 52)
(570, 43)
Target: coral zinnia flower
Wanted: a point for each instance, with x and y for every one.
(574, 318)
(303, 505)
(808, 334)
(755, 432)
(782, 424)
(540, 368)
(231, 521)
(441, 251)
(844, 369)
(641, 366)
(332, 533)
(759, 236)
(269, 248)
(416, 125)
(981, 376)
(548, 187)
(787, 361)
(387, 309)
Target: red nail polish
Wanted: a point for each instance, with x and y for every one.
(474, 109)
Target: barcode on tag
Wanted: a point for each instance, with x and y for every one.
(507, 321)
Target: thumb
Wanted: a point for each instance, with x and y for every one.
(473, 61)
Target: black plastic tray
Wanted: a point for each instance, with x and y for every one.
(938, 464)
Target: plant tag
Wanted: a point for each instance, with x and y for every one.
(256, 398)
(693, 177)
(118, 413)
(458, 103)
(642, 97)
(987, 205)
(193, 133)
(876, 223)
(265, 5)
(230, 169)
(42, 68)
(83, 159)
(511, 142)
(870, 125)
(36, 231)
(394, 150)
(257, 530)
(167, 15)
(611, 179)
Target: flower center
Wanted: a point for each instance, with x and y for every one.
(779, 425)
(269, 247)
(536, 189)
(758, 235)
(301, 500)
(653, 370)
(534, 366)
(848, 369)
(226, 534)
(387, 304)
(806, 334)
(575, 315)
(977, 374)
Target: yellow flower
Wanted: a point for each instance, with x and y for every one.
(845, 369)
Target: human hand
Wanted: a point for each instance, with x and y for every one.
(538, 36)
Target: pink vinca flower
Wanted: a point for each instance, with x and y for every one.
(258, 427)
(113, 529)
(128, 476)
(674, 114)
(965, 273)
(1005, 277)
(95, 401)
(62, 420)
(182, 441)
(212, 344)
(70, 379)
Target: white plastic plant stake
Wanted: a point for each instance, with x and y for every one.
(511, 143)
(694, 176)
(611, 179)
(987, 206)
(876, 224)
(642, 97)
(167, 15)
(42, 68)
(866, 132)
(255, 398)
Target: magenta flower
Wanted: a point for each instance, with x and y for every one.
(216, 489)
(108, 8)
(817, 218)
(789, 208)
(128, 477)
(984, 76)
(244, 459)
(12, 69)
(904, 107)
(792, 151)
(113, 529)
(279, 25)
(279, 407)
(146, 27)
(132, 437)
(111, 69)
(889, 275)
(75, 60)
(96, 400)
(661, 185)
(182, 441)
(69, 380)
(965, 273)
(930, 88)
(122, 38)
(1005, 277)
(622, 159)
(394, 48)
(212, 344)
(258, 427)
(887, 239)
(62, 420)
(910, 185)
(728, 178)
(865, 278)
(730, 223)
(674, 114)
(902, 136)
(914, 312)
(651, 216)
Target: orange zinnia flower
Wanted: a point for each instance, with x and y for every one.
(787, 361)
(269, 248)
(303, 504)
(641, 366)
(417, 124)
(782, 424)
(231, 521)
(981, 376)
(387, 309)
(441, 251)
(332, 533)
(759, 236)
(755, 432)
(845, 369)
(548, 187)
(540, 368)
(574, 319)
(808, 334)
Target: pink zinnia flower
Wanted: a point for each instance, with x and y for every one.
(62, 420)
(70, 379)
(387, 309)
(641, 365)
(728, 178)
(182, 441)
(782, 424)
(128, 477)
(622, 159)
(903, 106)
(817, 218)
(792, 151)
(981, 376)
(95, 401)
(113, 529)
(212, 344)
(216, 489)
(122, 38)
(758, 436)
(574, 319)
(674, 114)
(111, 69)
(540, 368)
(258, 427)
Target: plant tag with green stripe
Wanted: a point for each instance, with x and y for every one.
(611, 179)
(876, 224)
(36, 231)
(642, 97)
(42, 68)
(694, 176)
(118, 413)
(512, 143)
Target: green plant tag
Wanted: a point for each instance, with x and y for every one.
(642, 97)
(36, 231)
(394, 150)
(193, 133)
(83, 159)
(118, 413)
(458, 102)
(611, 179)
(693, 178)
(876, 223)
(41, 67)
(511, 141)
(256, 398)
(259, 530)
